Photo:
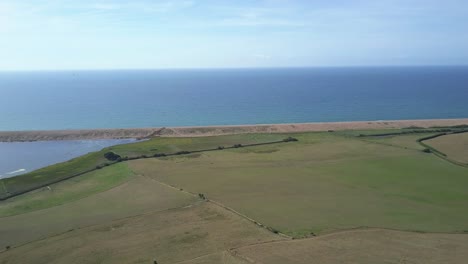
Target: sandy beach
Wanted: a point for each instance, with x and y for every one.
(47, 135)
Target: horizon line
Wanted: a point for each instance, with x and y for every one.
(236, 68)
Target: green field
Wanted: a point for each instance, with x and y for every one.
(326, 182)
(68, 191)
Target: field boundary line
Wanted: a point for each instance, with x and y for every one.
(344, 231)
(436, 152)
(201, 256)
(439, 153)
(251, 219)
(238, 255)
(225, 208)
(388, 144)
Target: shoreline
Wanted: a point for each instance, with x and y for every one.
(199, 131)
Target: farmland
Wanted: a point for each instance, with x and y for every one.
(326, 183)
(290, 202)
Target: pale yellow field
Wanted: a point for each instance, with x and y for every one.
(455, 146)
(363, 247)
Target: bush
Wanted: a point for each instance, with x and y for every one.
(427, 150)
(290, 139)
(182, 152)
(220, 147)
(237, 146)
(414, 127)
(273, 230)
(460, 126)
(157, 155)
(111, 156)
(202, 196)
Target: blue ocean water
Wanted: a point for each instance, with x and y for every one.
(155, 98)
(17, 158)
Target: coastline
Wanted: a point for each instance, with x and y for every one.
(199, 131)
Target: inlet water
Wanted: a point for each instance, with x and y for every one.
(17, 158)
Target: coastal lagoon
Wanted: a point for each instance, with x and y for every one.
(17, 158)
(167, 98)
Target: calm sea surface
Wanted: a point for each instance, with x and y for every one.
(118, 99)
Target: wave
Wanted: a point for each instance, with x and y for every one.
(16, 171)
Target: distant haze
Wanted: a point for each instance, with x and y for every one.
(115, 34)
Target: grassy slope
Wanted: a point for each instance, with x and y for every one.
(136, 196)
(149, 147)
(327, 182)
(71, 190)
(455, 146)
(53, 172)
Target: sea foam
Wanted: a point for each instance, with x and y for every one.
(16, 171)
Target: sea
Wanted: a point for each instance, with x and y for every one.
(48, 100)
(157, 98)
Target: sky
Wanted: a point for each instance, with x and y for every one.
(143, 34)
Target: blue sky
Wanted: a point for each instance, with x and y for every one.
(115, 34)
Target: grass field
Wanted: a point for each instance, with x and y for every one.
(198, 234)
(327, 182)
(67, 191)
(363, 247)
(455, 146)
(138, 195)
